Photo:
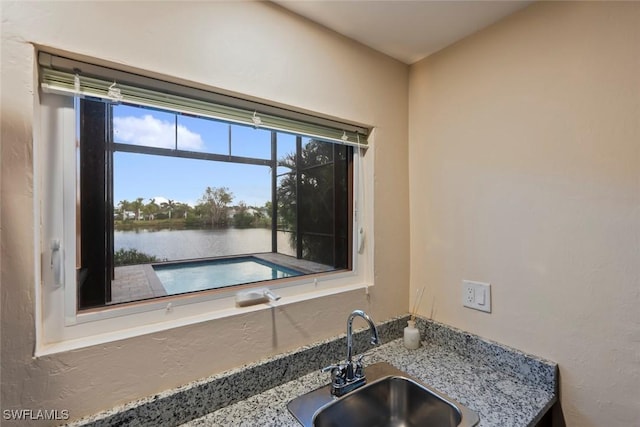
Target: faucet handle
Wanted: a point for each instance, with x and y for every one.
(338, 373)
(359, 371)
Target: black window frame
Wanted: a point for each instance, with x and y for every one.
(96, 208)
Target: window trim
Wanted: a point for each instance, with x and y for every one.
(63, 328)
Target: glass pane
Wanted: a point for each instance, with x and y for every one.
(286, 193)
(249, 142)
(205, 135)
(318, 249)
(157, 198)
(317, 200)
(286, 153)
(145, 127)
(316, 152)
(286, 243)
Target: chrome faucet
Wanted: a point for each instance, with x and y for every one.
(348, 376)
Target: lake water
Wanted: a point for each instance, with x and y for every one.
(189, 244)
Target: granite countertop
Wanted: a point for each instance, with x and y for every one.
(500, 398)
(505, 386)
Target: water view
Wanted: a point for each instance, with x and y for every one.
(190, 244)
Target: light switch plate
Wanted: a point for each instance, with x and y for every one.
(476, 295)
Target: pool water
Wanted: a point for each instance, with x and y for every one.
(210, 274)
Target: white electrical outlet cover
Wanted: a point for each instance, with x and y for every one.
(476, 295)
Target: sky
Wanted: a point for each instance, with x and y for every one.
(184, 180)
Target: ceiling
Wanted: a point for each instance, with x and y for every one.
(405, 30)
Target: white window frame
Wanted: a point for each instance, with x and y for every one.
(60, 327)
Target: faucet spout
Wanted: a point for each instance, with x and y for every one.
(374, 332)
(350, 375)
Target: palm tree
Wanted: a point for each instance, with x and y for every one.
(137, 205)
(181, 210)
(151, 209)
(169, 205)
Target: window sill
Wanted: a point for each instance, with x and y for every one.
(187, 313)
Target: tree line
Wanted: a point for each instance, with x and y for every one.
(213, 210)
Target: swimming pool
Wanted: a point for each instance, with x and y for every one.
(193, 276)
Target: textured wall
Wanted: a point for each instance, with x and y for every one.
(525, 173)
(251, 48)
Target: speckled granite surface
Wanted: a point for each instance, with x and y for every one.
(506, 387)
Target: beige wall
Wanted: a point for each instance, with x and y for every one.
(251, 48)
(524, 148)
(524, 172)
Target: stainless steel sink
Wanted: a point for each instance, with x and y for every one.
(391, 398)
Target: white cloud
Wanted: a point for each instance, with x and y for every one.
(160, 200)
(149, 131)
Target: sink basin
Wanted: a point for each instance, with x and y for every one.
(391, 398)
(391, 401)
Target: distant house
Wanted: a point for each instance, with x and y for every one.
(235, 209)
(125, 215)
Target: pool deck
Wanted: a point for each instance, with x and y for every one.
(134, 283)
(139, 282)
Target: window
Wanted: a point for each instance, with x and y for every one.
(171, 204)
(153, 183)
